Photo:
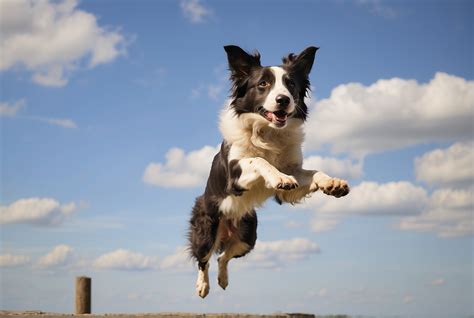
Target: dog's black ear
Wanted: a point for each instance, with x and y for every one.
(302, 62)
(240, 62)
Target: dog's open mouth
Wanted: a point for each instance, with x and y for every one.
(278, 118)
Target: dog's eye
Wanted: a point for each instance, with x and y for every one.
(263, 84)
(290, 83)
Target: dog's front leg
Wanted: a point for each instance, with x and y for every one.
(311, 181)
(330, 186)
(305, 189)
(318, 180)
(250, 170)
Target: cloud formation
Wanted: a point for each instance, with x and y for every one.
(452, 166)
(181, 169)
(367, 198)
(373, 198)
(379, 8)
(39, 211)
(266, 254)
(178, 261)
(342, 168)
(277, 254)
(10, 260)
(449, 213)
(450, 210)
(194, 11)
(61, 122)
(11, 109)
(60, 256)
(52, 39)
(392, 114)
(122, 259)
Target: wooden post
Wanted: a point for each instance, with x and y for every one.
(83, 295)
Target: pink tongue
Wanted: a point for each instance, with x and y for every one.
(274, 117)
(279, 118)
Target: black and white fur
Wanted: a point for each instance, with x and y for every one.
(260, 158)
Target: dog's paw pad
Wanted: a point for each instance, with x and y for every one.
(287, 186)
(285, 182)
(335, 187)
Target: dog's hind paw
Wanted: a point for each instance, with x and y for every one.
(223, 281)
(202, 289)
(222, 276)
(202, 282)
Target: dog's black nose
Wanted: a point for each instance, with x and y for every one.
(282, 100)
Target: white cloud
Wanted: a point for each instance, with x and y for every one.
(64, 123)
(450, 209)
(214, 91)
(10, 260)
(449, 213)
(11, 109)
(41, 211)
(122, 259)
(181, 170)
(266, 254)
(195, 11)
(446, 212)
(453, 166)
(378, 8)
(276, 254)
(367, 198)
(393, 198)
(51, 39)
(392, 114)
(324, 222)
(60, 256)
(342, 168)
(178, 261)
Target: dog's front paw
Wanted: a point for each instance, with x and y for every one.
(282, 181)
(334, 186)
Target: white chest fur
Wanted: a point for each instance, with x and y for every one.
(250, 137)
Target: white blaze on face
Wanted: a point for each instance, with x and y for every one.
(278, 88)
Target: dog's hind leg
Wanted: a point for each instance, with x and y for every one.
(202, 241)
(202, 282)
(234, 249)
(241, 241)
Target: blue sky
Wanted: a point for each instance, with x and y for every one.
(109, 122)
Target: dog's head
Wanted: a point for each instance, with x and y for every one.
(275, 92)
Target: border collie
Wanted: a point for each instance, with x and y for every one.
(260, 157)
